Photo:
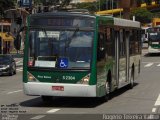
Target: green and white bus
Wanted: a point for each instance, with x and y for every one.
(154, 40)
(80, 55)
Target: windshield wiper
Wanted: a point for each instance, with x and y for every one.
(76, 30)
(73, 35)
(44, 30)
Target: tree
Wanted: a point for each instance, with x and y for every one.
(138, 2)
(62, 3)
(157, 1)
(142, 15)
(65, 2)
(4, 5)
(95, 6)
(91, 6)
(148, 2)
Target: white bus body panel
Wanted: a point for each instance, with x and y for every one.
(70, 90)
(153, 50)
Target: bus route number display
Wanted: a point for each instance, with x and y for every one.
(60, 21)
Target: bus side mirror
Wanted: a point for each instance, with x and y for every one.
(17, 42)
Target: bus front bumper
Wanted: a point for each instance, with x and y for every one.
(152, 50)
(70, 90)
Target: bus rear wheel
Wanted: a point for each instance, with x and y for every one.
(132, 81)
(105, 98)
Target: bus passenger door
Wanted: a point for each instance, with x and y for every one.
(127, 36)
(121, 57)
(117, 56)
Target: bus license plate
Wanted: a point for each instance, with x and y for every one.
(58, 88)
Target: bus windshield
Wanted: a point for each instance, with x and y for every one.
(154, 36)
(60, 48)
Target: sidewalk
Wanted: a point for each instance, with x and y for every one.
(19, 62)
(19, 59)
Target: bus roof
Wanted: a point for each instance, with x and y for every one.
(117, 21)
(62, 14)
(126, 23)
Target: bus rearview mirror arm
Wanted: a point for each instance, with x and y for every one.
(17, 40)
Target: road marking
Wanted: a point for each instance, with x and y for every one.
(14, 91)
(38, 117)
(158, 65)
(148, 65)
(153, 109)
(151, 117)
(53, 110)
(157, 101)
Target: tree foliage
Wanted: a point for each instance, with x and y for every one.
(95, 6)
(5, 4)
(91, 6)
(62, 3)
(142, 15)
(148, 2)
(139, 2)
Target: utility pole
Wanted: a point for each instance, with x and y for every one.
(106, 4)
(99, 5)
(112, 7)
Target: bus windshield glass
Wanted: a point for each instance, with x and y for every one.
(154, 34)
(60, 48)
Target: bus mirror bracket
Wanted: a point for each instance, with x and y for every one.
(17, 40)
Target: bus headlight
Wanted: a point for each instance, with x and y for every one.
(31, 78)
(85, 80)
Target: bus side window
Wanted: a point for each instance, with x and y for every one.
(101, 47)
(108, 42)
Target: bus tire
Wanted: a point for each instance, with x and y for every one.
(46, 98)
(132, 78)
(139, 67)
(106, 97)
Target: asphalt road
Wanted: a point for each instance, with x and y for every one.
(143, 99)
